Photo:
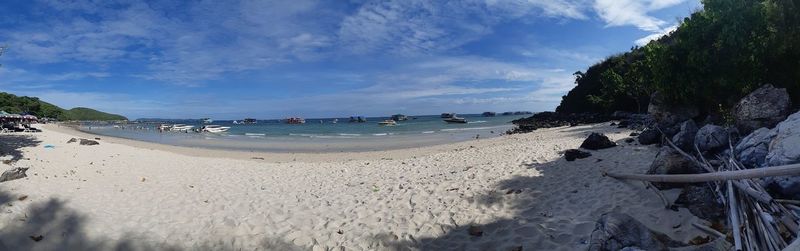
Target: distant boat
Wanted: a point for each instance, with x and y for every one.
(388, 122)
(456, 120)
(164, 127)
(489, 114)
(448, 115)
(399, 117)
(181, 128)
(357, 119)
(335, 121)
(214, 128)
(249, 121)
(207, 120)
(296, 120)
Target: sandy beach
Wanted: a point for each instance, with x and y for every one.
(517, 190)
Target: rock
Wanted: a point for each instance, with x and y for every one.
(649, 137)
(624, 123)
(701, 201)
(783, 187)
(13, 174)
(615, 231)
(621, 115)
(764, 107)
(597, 141)
(572, 154)
(752, 150)
(667, 114)
(785, 147)
(634, 134)
(475, 231)
(72, 140)
(669, 161)
(720, 244)
(685, 137)
(88, 142)
(711, 137)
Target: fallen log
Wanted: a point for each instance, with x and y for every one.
(786, 170)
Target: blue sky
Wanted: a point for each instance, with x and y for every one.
(274, 59)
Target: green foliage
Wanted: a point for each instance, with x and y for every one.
(31, 105)
(716, 56)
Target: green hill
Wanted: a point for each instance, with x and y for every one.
(31, 105)
(716, 56)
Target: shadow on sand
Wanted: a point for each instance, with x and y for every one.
(12, 144)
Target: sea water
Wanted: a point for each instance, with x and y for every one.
(316, 135)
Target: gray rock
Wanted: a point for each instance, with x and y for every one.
(621, 115)
(784, 187)
(616, 231)
(572, 154)
(785, 147)
(669, 161)
(685, 137)
(13, 174)
(752, 150)
(764, 107)
(667, 114)
(711, 137)
(597, 141)
(649, 136)
(701, 201)
(72, 140)
(88, 142)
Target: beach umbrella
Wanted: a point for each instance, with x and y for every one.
(4, 114)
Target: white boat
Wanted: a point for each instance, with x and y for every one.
(207, 120)
(388, 122)
(181, 128)
(215, 128)
(164, 127)
(456, 120)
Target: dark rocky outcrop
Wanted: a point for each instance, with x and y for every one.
(701, 201)
(685, 137)
(752, 150)
(597, 141)
(764, 107)
(669, 161)
(72, 140)
(785, 147)
(711, 137)
(88, 142)
(13, 174)
(615, 231)
(649, 137)
(554, 119)
(572, 154)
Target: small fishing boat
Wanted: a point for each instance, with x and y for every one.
(456, 120)
(181, 128)
(357, 119)
(448, 115)
(207, 120)
(388, 122)
(295, 121)
(489, 114)
(249, 121)
(399, 117)
(164, 127)
(335, 121)
(215, 128)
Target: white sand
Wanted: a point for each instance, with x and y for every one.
(143, 196)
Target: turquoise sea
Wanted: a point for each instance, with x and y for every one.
(316, 135)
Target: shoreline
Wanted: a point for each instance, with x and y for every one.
(398, 153)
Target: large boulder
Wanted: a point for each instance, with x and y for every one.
(685, 137)
(649, 136)
(711, 137)
(785, 147)
(702, 202)
(668, 114)
(13, 174)
(572, 154)
(597, 141)
(88, 142)
(764, 107)
(616, 231)
(669, 161)
(752, 150)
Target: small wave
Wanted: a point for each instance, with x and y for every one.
(255, 134)
(427, 132)
(380, 134)
(466, 129)
(349, 134)
(476, 122)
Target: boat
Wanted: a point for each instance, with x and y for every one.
(448, 115)
(181, 128)
(164, 127)
(357, 119)
(214, 128)
(399, 117)
(388, 122)
(489, 114)
(295, 120)
(335, 121)
(207, 120)
(248, 121)
(456, 120)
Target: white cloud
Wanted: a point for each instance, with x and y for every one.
(643, 41)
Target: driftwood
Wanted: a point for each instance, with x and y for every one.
(785, 170)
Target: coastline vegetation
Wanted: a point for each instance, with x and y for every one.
(713, 58)
(31, 105)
